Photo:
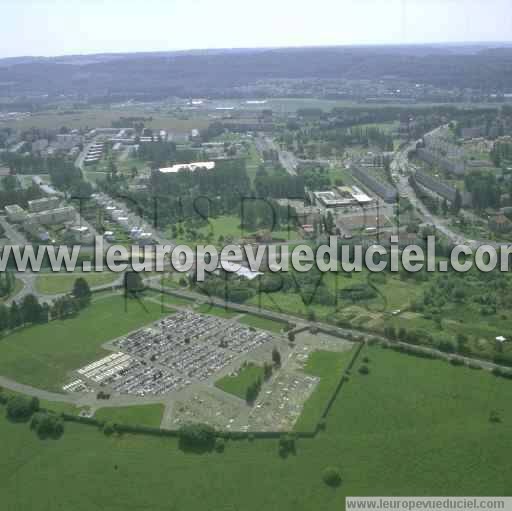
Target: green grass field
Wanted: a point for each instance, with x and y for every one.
(410, 427)
(229, 228)
(63, 283)
(328, 367)
(215, 310)
(104, 117)
(168, 299)
(42, 355)
(238, 385)
(263, 323)
(143, 415)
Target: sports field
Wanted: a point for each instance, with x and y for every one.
(410, 427)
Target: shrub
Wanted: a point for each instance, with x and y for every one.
(358, 293)
(197, 436)
(286, 445)
(364, 370)
(47, 425)
(220, 445)
(21, 408)
(494, 416)
(109, 428)
(331, 476)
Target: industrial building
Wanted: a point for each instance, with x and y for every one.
(329, 199)
(354, 195)
(191, 167)
(342, 197)
(46, 188)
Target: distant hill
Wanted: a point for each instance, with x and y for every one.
(214, 72)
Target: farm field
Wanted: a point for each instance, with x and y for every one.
(238, 385)
(388, 432)
(42, 355)
(143, 415)
(56, 283)
(290, 105)
(103, 117)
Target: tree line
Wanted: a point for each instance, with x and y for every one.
(30, 311)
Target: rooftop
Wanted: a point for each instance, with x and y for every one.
(191, 167)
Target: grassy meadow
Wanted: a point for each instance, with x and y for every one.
(42, 355)
(410, 427)
(239, 383)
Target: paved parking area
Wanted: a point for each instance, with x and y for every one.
(174, 352)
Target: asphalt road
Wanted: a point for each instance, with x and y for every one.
(401, 166)
(287, 159)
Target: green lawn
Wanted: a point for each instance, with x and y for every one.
(328, 367)
(42, 355)
(238, 385)
(229, 228)
(170, 279)
(143, 415)
(263, 323)
(215, 310)
(410, 427)
(168, 299)
(58, 283)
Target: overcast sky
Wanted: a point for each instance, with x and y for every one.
(62, 27)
